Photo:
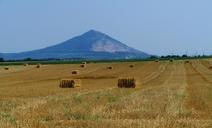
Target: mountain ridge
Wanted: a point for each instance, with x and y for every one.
(90, 45)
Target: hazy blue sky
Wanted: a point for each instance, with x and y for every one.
(154, 26)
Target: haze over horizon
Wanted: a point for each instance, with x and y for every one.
(156, 27)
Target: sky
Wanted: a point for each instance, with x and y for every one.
(159, 27)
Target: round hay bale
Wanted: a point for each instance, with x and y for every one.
(38, 65)
(75, 72)
(6, 68)
(70, 83)
(126, 83)
(82, 65)
(110, 67)
(131, 66)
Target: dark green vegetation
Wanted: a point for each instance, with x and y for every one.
(1, 60)
(79, 60)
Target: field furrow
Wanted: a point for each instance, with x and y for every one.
(199, 100)
(169, 94)
(205, 73)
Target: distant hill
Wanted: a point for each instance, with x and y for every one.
(91, 45)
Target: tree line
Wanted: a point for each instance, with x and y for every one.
(1, 59)
(151, 58)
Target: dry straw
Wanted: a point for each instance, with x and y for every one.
(84, 62)
(126, 82)
(187, 61)
(156, 60)
(70, 83)
(26, 64)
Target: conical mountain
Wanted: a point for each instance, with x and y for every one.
(90, 45)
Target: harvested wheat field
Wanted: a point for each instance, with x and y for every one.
(168, 95)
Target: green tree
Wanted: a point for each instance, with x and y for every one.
(28, 59)
(1, 59)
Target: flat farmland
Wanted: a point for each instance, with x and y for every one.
(168, 95)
